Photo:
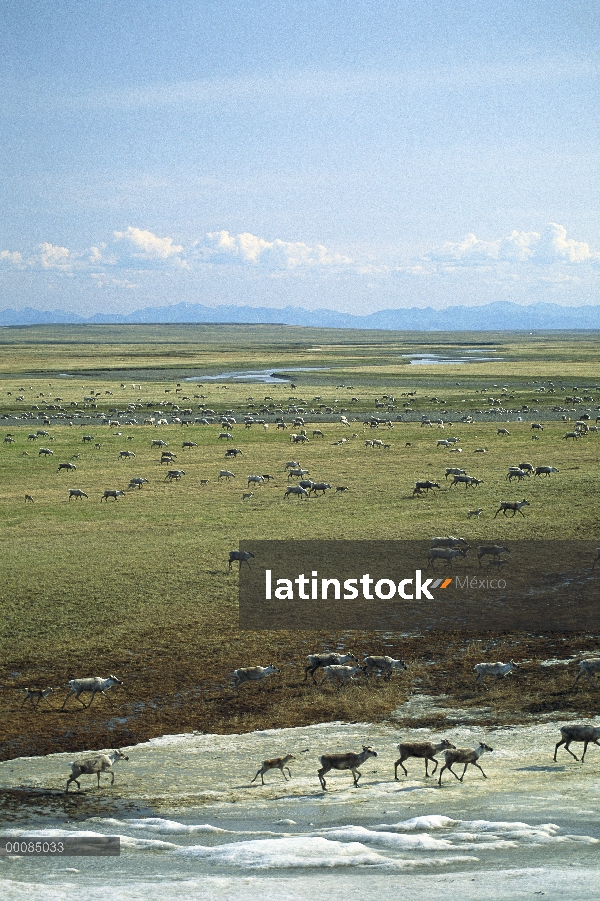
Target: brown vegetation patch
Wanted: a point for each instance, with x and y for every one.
(183, 683)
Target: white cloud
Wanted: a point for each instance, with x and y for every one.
(95, 256)
(103, 281)
(552, 246)
(518, 246)
(57, 259)
(53, 257)
(11, 260)
(139, 249)
(470, 249)
(521, 260)
(247, 248)
(555, 246)
(146, 247)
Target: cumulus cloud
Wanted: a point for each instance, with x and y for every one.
(223, 247)
(549, 247)
(53, 257)
(518, 246)
(548, 257)
(11, 260)
(145, 247)
(555, 246)
(121, 261)
(139, 249)
(470, 248)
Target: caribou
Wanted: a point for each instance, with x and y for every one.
(344, 761)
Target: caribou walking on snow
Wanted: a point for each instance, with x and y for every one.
(275, 763)
(344, 761)
(98, 764)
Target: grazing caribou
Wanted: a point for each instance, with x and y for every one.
(446, 553)
(241, 557)
(587, 668)
(383, 665)
(252, 674)
(491, 550)
(424, 486)
(298, 490)
(137, 483)
(497, 670)
(545, 470)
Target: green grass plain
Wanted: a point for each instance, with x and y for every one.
(141, 587)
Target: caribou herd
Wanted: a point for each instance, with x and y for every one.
(338, 669)
(308, 486)
(342, 671)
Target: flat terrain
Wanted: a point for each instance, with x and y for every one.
(188, 816)
(140, 586)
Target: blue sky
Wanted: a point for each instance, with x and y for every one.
(352, 155)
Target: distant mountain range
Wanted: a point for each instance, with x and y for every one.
(490, 317)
